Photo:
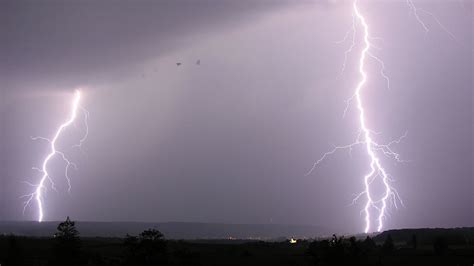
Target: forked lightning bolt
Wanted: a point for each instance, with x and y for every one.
(40, 187)
(365, 136)
(416, 12)
(376, 169)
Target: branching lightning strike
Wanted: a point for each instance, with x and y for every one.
(54, 151)
(416, 12)
(365, 135)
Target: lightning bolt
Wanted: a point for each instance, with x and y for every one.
(376, 167)
(54, 151)
(416, 12)
(365, 134)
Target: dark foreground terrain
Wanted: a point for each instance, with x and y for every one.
(400, 247)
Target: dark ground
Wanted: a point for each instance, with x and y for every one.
(409, 247)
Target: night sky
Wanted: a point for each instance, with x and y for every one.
(230, 140)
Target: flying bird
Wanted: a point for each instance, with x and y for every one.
(178, 64)
(198, 62)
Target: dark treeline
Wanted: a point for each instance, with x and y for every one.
(400, 247)
(453, 236)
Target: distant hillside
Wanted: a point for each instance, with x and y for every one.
(171, 230)
(462, 235)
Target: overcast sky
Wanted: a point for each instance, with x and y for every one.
(230, 140)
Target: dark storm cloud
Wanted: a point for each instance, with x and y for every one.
(81, 39)
(230, 140)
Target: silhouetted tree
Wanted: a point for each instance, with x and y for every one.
(67, 244)
(440, 246)
(67, 230)
(369, 244)
(153, 245)
(354, 247)
(333, 252)
(149, 248)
